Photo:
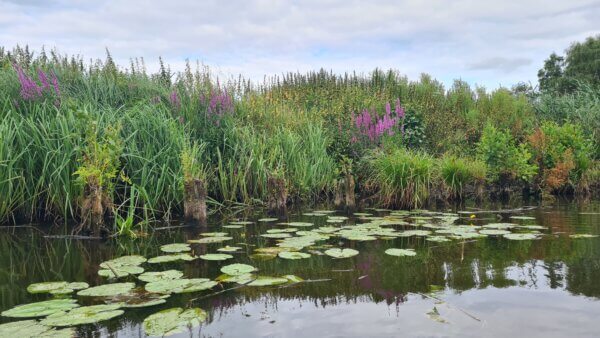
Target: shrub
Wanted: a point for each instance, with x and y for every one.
(506, 161)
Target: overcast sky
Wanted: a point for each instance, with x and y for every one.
(489, 43)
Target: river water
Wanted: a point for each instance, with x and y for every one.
(488, 287)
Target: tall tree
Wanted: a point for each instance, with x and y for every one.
(583, 60)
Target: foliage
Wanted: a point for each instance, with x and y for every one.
(505, 159)
(457, 173)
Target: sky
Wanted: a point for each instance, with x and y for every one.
(488, 43)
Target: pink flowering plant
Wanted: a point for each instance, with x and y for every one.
(45, 87)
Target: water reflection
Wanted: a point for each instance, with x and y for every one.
(533, 285)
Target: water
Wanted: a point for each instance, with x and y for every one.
(491, 287)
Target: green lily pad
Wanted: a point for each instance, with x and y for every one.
(157, 276)
(400, 252)
(137, 299)
(500, 226)
(438, 239)
(172, 321)
(434, 314)
(233, 226)
(214, 234)
(228, 248)
(494, 232)
(180, 285)
(216, 257)
(293, 255)
(522, 217)
(237, 269)
(520, 237)
(56, 288)
(268, 219)
(341, 253)
(281, 235)
(120, 271)
(208, 240)
(40, 309)
(107, 290)
(83, 315)
(242, 222)
(171, 258)
(409, 233)
(268, 281)
(124, 260)
(300, 224)
(293, 278)
(240, 279)
(583, 236)
(33, 329)
(175, 248)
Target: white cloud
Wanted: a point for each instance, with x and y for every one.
(481, 41)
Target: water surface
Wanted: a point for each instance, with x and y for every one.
(491, 287)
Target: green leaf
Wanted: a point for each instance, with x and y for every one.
(120, 271)
(175, 248)
(40, 309)
(56, 288)
(268, 281)
(173, 321)
(293, 255)
(33, 329)
(124, 260)
(157, 276)
(400, 252)
(237, 269)
(520, 237)
(228, 248)
(84, 315)
(208, 240)
(171, 258)
(107, 290)
(341, 253)
(216, 257)
(180, 285)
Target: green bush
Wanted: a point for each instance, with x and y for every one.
(457, 173)
(505, 159)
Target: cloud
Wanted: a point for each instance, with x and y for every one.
(484, 42)
(500, 63)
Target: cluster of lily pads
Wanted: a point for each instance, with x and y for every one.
(292, 241)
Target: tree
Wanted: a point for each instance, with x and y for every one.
(551, 76)
(583, 60)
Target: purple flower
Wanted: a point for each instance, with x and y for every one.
(174, 100)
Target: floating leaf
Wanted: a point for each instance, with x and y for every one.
(520, 237)
(242, 223)
(173, 321)
(138, 298)
(216, 257)
(120, 271)
(293, 255)
(171, 258)
(124, 260)
(56, 288)
(237, 269)
(157, 276)
(214, 234)
(341, 253)
(268, 219)
(84, 315)
(437, 239)
(400, 252)
(583, 236)
(494, 232)
(268, 281)
(33, 329)
(281, 235)
(502, 226)
(409, 233)
(180, 285)
(240, 279)
(522, 217)
(293, 278)
(40, 309)
(434, 314)
(107, 290)
(233, 226)
(175, 247)
(208, 240)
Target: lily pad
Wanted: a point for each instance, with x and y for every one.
(172, 321)
(124, 260)
(121, 271)
(107, 290)
(438, 239)
(280, 235)
(293, 255)
(520, 237)
(268, 281)
(41, 309)
(83, 315)
(400, 252)
(208, 240)
(180, 285)
(268, 219)
(33, 329)
(228, 248)
(171, 258)
(240, 279)
(341, 253)
(175, 247)
(56, 288)
(233, 226)
(583, 236)
(522, 217)
(214, 234)
(494, 232)
(157, 276)
(216, 257)
(237, 269)
(137, 299)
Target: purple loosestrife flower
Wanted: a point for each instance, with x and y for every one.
(29, 89)
(55, 84)
(174, 100)
(43, 79)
